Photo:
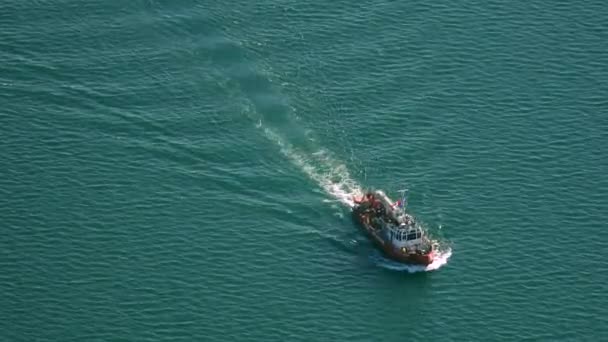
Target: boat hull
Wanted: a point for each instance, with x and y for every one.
(389, 250)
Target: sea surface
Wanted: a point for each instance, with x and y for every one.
(184, 170)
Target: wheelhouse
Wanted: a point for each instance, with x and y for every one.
(404, 235)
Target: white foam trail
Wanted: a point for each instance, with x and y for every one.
(331, 175)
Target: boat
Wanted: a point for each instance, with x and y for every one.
(393, 230)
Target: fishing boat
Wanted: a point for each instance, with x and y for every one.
(392, 229)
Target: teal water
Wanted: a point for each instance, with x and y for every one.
(181, 170)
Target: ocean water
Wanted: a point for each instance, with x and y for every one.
(184, 170)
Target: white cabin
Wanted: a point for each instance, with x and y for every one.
(405, 236)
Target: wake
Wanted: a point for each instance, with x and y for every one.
(330, 175)
(333, 177)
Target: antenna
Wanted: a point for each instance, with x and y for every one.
(403, 197)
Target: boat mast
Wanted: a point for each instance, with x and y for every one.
(403, 199)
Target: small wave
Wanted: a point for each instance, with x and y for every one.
(440, 259)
